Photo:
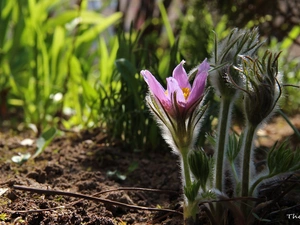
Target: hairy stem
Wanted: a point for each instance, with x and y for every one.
(223, 127)
(246, 163)
(254, 185)
(225, 119)
(186, 169)
(190, 207)
(248, 141)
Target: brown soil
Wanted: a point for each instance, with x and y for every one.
(82, 163)
(86, 163)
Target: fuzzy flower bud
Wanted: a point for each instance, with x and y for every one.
(263, 89)
(226, 56)
(199, 165)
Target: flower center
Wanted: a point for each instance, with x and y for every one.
(186, 92)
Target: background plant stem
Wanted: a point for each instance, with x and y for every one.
(224, 118)
(250, 131)
(247, 147)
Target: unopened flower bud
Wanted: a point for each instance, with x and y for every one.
(263, 89)
(199, 165)
(227, 56)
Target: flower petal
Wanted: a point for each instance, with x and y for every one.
(204, 66)
(173, 86)
(199, 83)
(181, 76)
(154, 86)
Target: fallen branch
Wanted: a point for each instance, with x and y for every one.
(88, 197)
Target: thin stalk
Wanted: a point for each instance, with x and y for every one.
(247, 148)
(223, 127)
(224, 116)
(250, 132)
(189, 206)
(236, 177)
(289, 122)
(252, 188)
(186, 169)
(37, 89)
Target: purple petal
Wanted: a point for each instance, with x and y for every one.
(204, 66)
(154, 86)
(199, 83)
(180, 75)
(173, 86)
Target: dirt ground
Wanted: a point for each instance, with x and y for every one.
(85, 163)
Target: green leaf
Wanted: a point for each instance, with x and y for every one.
(108, 56)
(166, 22)
(283, 159)
(211, 139)
(44, 140)
(288, 41)
(132, 167)
(75, 69)
(128, 71)
(89, 93)
(57, 44)
(234, 147)
(93, 32)
(91, 17)
(61, 19)
(191, 192)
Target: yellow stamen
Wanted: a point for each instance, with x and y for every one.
(186, 92)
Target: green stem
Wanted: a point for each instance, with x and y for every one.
(186, 169)
(289, 122)
(222, 139)
(190, 207)
(236, 177)
(223, 127)
(37, 89)
(252, 188)
(250, 132)
(246, 164)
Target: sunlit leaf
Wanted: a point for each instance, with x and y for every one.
(61, 19)
(44, 140)
(89, 92)
(293, 34)
(94, 31)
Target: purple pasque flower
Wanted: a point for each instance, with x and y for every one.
(181, 97)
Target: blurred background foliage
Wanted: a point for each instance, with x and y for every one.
(75, 64)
